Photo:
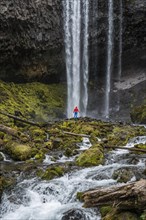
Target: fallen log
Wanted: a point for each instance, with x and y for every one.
(12, 131)
(20, 119)
(8, 130)
(131, 196)
(127, 148)
(74, 134)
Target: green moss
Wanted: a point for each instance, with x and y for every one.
(143, 216)
(80, 196)
(35, 101)
(122, 134)
(90, 157)
(40, 156)
(110, 213)
(105, 210)
(141, 146)
(51, 173)
(138, 114)
(5, 183)
(19, 151)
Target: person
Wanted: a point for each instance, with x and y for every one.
(75, 111)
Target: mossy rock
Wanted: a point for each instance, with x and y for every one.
(37, 134)
(122, 134)
(143, 215)
(40, 156)
(51, 172)
(5, 183)
(19, 152)
(141, 146)
(91, 157)
(123, 175)
(80, 196)
(138, 114)
(110, 213)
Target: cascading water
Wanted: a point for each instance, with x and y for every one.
(34, 199)
(85, 57)
(120, 49)
(76, 67)
(109, 58)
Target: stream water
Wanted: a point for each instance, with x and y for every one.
(34, 199)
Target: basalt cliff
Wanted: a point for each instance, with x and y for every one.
(32, 41)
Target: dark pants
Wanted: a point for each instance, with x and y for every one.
(75, 114)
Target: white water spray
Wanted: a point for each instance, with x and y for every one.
(73, 12)
(109, 58)
(85, 56)
(120, 49)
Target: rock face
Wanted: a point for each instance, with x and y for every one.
(32, 44)
(31, 40)
(133, 42)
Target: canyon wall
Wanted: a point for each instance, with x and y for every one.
(32, 41)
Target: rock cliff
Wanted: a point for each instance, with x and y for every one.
(31, 40)
(32, 44)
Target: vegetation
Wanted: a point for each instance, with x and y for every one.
(29, 143)
(138, 114)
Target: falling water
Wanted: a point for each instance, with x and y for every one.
(109, 58)
(85, 57)
(120, 49)
(73, 32)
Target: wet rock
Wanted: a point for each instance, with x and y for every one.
(74, 214)
(123, 175)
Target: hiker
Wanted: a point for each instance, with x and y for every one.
(75, 111)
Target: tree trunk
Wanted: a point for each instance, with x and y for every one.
(12, 131)
(131, 196)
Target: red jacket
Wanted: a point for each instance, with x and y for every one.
(76, 109)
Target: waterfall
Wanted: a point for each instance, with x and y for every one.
(85, 57)
(77, 77)
(120, 49)
(109, 58)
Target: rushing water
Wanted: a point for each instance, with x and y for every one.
(76, 28)
(109, 58)
(34, 199)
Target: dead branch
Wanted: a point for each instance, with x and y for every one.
(74, 134)
(20, 119)
(127, 148)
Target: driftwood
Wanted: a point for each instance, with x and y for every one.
(127, 148)
(130, 196)
(8, 130)
(74, 134)
(20, 119)
(12, 131)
